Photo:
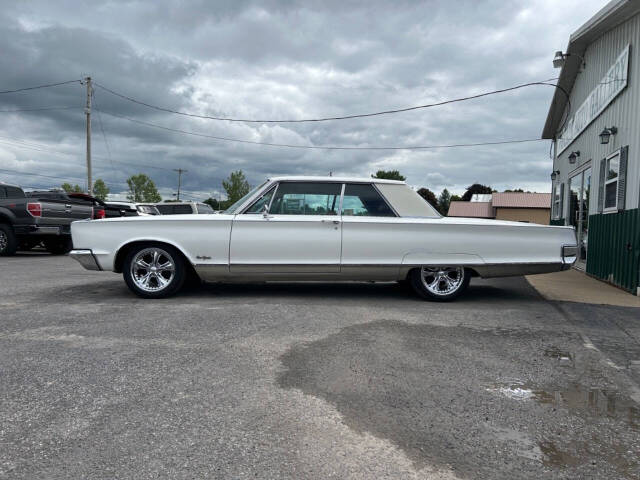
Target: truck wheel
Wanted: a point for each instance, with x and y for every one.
(440, 283)
(154, 271)
(58, 246)
(8, 243)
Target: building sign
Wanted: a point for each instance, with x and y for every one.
(600, 97)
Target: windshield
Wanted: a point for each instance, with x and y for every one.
(232, 209)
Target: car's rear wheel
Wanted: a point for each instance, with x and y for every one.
(154, 271)
(440, 283)
(8, 242)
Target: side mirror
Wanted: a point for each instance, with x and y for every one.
(265, 210)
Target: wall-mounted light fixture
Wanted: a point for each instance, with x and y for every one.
(559, 59)
(606, 134)
(554, 175)
(574, 156)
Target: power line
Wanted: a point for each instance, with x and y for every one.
(345, 117)
(319, 147)
(45, 148)
(38, 109)
(40, 86)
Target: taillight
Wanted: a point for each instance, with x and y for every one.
(101, 213)
(35, 209)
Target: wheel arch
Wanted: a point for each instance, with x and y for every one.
(123, 251)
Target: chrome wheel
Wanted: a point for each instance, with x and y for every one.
(441, 281)
(152, 269)
(4, 241)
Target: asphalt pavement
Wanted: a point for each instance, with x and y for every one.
(310, 380)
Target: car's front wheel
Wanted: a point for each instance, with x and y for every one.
(154, 271)
(440, 283)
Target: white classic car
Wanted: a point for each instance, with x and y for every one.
(320, 228)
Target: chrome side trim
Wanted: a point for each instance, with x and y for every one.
(85, 258)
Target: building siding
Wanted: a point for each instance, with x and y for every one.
(613, 251)
(533, 215)
(621, 113)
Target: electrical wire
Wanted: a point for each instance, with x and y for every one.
(319, 147)
(38, 109)
(40, 86)
(325, 119)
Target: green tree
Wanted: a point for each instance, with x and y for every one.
(476, 188)
(213, 203)
(100, 189)
(443, 201)
(389, 175)
(67, 187)
(142, 189)
(429, 196)
(236, 186)
(455, 198)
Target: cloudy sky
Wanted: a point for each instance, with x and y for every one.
(283, 59)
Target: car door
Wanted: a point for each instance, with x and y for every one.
(301, 233)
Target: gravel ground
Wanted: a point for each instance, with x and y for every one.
(349, 380)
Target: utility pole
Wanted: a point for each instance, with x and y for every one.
(87, 112)
(180, 172)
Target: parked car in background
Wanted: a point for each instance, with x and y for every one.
(321, 228)
(184, 208)
(27, 220)
(131, 209)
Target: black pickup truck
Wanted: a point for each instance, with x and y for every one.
(39, 217)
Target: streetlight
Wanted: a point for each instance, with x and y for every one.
(606, 133)
(559, 59)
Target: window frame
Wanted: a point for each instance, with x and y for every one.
(606, 182)
(273, 187)
(377, 190)
(557, 201)
(338, 214)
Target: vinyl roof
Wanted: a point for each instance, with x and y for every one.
(334, 179)
(471, 209)
(611, 15)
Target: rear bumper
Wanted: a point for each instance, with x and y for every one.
(85, 258)
(42, 230)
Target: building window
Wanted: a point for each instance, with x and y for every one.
(612, 174)
(557, 201)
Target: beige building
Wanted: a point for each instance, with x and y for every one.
(513, 206)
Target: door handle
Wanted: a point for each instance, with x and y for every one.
(335, 222)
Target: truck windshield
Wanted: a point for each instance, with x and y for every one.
(232, 209)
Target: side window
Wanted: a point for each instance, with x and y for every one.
(165, 209)
(259, 204)
(363, 200)
(13, 192)
(3, 193)
(294, 198)
(182, 209)
(204, 208)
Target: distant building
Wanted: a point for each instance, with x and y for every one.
(471, 209)
(517, 207)
(481, 197)
(596, 140)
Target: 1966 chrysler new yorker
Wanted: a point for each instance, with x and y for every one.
(320, 228)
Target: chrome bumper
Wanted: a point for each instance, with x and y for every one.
(85, 258)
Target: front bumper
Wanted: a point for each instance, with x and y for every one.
(85, 258)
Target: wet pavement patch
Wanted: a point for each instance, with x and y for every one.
(494, 403)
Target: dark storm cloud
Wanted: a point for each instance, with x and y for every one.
(282, 59)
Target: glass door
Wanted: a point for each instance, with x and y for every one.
(579, 195)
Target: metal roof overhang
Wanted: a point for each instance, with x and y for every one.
(611, 15)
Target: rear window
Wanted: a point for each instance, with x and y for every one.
(14, 192)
